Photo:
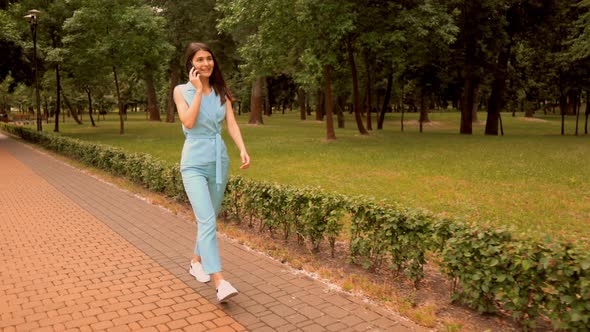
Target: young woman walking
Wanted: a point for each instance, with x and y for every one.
(203, 103)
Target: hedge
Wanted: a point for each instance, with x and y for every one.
(489, 269)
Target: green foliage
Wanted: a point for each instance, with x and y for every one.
(8, 28)
(491, 271)
(388, 235)
(580, 41)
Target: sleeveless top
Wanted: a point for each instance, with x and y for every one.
(203, 144)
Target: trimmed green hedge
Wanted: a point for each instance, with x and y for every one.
(489, 269)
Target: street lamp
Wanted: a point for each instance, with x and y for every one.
(33, 17)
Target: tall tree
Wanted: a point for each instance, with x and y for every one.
(579, 53)
(14, 61)
(125, 33)
(515, 18)
(300, 39)
(431, 30)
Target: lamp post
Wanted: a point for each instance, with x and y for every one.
(33, 17)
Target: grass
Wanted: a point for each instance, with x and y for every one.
(532, 181)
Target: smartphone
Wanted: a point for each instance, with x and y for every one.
(189, 66)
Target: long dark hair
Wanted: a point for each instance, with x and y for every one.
(216, 79)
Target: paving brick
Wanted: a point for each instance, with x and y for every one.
(313, 328)
(273, 320)
(296, 318)
(201, 318)
(222, 321)
(102, 325)
(326, 320)
(127, 319)
(195, 328)
(282, 310)
(81, 322)
(177, 324)
(335, 312)
(155, 321)
(310, 312)
(55, 320)
(179, 314)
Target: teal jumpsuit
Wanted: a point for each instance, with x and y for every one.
(204, 167)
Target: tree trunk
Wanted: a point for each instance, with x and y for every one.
(88, 92)
(402, 119)
(152, 100)
(46, 109)
(256, 102)
(72, 110)
(466, 110)
(340, 105)
(301, 99)
(501, 124)
(528, 112)
(571, 103)
(562, 104)
(267, 97)
(355, 90)
(577, 113)
(319, 110)
(119, 103)
(369, 104)
(57, 98)
(562, 121)
(330, 135)
(174, 79)
(422, 108)
(496, 101)
(587, 111)
(474, 107)
(386, 101)
(471, 81)
(402, 108)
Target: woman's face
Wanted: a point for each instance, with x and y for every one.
(203, 63)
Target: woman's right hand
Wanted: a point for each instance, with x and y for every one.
(195, 79)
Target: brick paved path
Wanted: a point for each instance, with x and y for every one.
(82, 255)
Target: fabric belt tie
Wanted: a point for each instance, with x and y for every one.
(218, 144)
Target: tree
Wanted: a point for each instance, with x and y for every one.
(299, 39)
(55, 15)
(327, 25)
(124, 36)
(13, 60)
(477, 22)
(579, 53)
(516, 19)
(431, 30)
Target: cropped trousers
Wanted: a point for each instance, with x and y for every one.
(206, 196)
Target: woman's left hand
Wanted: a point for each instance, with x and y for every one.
(245, 159)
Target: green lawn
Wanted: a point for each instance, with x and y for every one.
(532, 180)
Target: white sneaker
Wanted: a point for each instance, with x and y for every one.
(225, 291)
(197, 271)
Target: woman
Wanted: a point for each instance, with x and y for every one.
(202, 104)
